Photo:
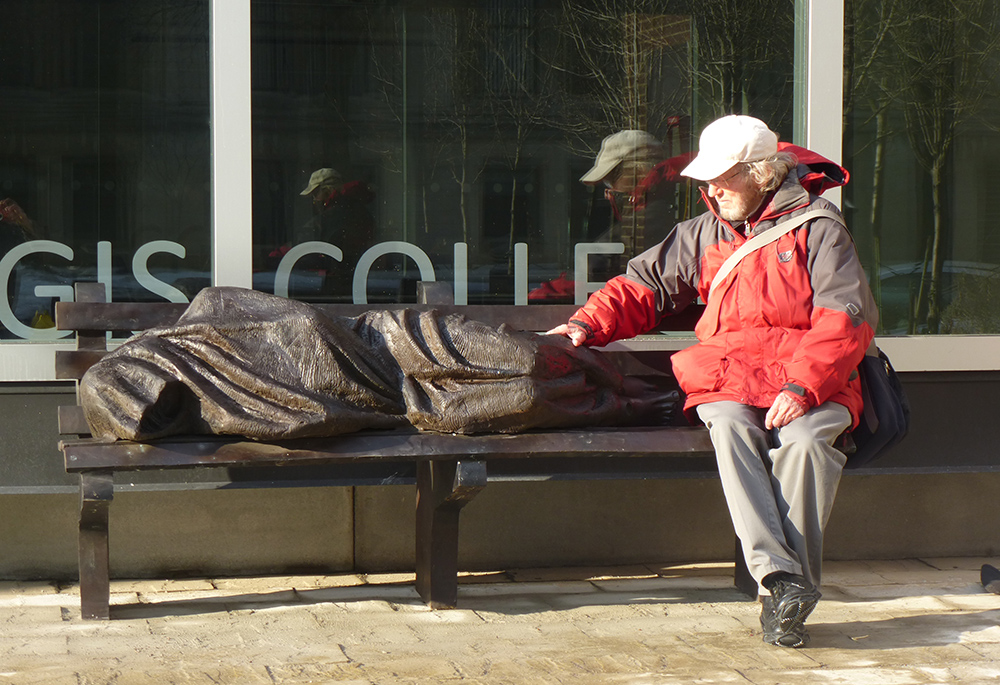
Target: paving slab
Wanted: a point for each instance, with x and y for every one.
(895, 622)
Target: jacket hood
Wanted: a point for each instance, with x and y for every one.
(817, 174)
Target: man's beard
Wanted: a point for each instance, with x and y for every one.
(743, 206)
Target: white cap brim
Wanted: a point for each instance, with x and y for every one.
(599, 171)
(705, 167)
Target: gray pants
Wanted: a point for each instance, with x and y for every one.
(779, 513)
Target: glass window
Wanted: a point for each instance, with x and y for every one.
(400, 141)
(921, 142)
(104, 153)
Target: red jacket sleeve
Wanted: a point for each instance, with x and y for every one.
(843, 319)
(828, 354)
(621, 309)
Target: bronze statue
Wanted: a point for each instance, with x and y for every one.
(245, 363)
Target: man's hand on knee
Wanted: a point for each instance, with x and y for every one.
(786, 408)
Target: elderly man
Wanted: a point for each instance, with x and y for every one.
(773, 376)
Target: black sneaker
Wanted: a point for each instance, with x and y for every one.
(794, 599)
(773, 634)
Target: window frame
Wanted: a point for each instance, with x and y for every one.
(818, 102)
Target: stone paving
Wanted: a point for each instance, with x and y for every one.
(902, 622)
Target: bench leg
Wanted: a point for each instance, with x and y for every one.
(96, 492)
(443, 488)
(742, 579)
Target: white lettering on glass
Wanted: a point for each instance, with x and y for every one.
(520, 273)
(581, 268)
(104, 267)
(461, 273)
(283, 274)
(380, 250)
(7, 264)
(140, 269)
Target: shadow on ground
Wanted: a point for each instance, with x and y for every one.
(528, 600)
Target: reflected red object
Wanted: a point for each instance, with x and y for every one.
(558, 288)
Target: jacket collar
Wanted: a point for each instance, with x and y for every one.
(789, 196)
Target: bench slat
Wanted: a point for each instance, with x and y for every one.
(116, 316)
(87, 454)
(72, 364)
(134, 316)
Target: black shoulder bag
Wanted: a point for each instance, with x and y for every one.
(885, 419)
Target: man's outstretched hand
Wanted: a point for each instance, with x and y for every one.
(576, 335)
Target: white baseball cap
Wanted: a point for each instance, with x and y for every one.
(729, 141)
(620, 146)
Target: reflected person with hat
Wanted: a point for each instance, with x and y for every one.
(341, 216)
(623, 163)
(774, 373)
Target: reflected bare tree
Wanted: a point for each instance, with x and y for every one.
(161, 151)
(947, 54)
(868, 65)
(456, 102)
(521, 86)
(628, 65)
(937, 63)
(737, 44)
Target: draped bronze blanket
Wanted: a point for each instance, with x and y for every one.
(244, 363)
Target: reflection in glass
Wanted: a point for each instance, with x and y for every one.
(104, 165)
(458, 133)
(921, 141)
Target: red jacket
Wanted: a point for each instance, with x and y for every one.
(797, 311)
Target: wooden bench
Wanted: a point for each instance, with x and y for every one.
(448, 470)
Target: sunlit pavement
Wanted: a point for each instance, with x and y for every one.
(899, 622)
